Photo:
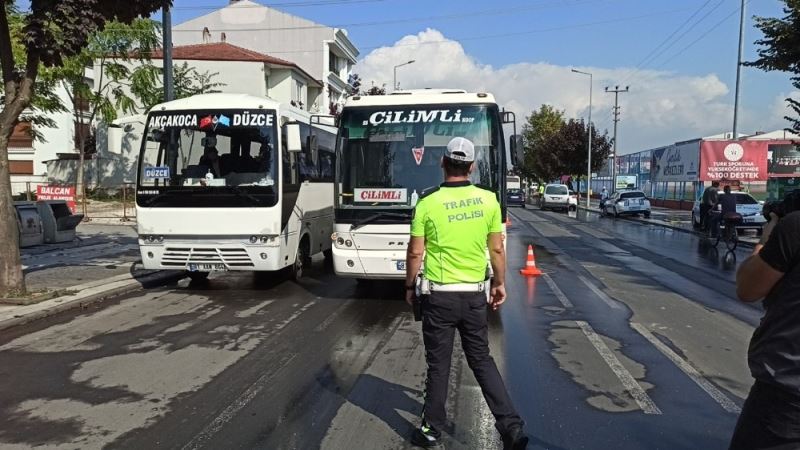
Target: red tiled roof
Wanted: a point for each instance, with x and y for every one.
(223, 51)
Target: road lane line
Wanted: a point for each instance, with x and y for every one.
(628, 381)
(603, 296)
(719, 397)
(557, 291)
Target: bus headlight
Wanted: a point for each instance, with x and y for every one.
(253, 239)
(264, 239)
(348, 243)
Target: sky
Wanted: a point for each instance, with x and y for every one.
(677, 56)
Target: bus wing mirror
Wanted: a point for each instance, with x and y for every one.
(517, 151)
(509, 117)
(293, 143)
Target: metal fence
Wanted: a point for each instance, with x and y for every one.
(101, 204)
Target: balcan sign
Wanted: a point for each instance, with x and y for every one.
(57, 193)
(733, 160)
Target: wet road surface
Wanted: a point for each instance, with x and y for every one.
(632, 339)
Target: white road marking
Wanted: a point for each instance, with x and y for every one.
(603, 296)
(719, 397)
(628, 381)
(557, 291)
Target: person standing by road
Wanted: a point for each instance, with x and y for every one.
(603, 197)
(452, 227)
(710, 199)
(770, 417)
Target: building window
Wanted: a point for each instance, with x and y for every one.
(82, 130)
(21, 136)
(297, 93)
(332, 63)
(21, 167)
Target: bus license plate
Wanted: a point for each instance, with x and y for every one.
(206, 268)
(401, 265)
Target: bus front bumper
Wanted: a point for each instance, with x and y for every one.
(369, 264)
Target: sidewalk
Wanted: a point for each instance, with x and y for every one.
(102, 261)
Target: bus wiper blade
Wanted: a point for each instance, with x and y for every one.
(156, 197)
(381, 215)
(241, 193)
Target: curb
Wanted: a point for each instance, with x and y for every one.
(666, 225)
(89, 295)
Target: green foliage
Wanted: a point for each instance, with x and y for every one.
(538, 126)
(555, 147)
(146, 85)
(45, 101)
(780, 49)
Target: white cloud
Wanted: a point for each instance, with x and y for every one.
(661, 108)
(780, 109)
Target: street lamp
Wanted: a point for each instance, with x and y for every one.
(589, 159)
(394, 80)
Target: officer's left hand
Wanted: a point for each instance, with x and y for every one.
(498, 294)
(410, 297)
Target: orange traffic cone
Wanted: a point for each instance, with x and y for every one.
(530, 265)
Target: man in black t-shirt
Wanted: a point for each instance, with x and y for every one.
(770, 418)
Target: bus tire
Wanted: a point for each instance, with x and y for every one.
(302, 259)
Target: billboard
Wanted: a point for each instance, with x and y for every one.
(784, 160)
(733, 160)
(678, 162)
(625, 182)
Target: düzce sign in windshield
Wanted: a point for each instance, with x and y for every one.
(733, 160)
(212, 121)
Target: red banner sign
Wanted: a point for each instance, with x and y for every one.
(57, 193)
(733, 160)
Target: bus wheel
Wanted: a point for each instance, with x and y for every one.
(198, 276)
(302, 260)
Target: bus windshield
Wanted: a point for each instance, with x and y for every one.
(388, 153)
(213, 158)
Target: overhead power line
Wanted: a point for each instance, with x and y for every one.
(282, 5)
(661, 49)
(481, 13)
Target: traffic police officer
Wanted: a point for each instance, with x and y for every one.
(452, 226)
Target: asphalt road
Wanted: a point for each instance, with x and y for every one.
(631, 340)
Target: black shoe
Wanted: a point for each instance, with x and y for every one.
(515, 439)
(426, 436)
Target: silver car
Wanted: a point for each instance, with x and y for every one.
(627, 202)
(556, 196)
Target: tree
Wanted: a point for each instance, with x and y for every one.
(538, 126)
(780, 49)
(110, 50)
(52, 31)
(145, 83)
(564, 152)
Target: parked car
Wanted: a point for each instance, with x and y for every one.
(515, 197)
(746, 205)
(573, 201)
(630, 202)
(556, 196)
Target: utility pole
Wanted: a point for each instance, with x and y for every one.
(738, 73)
(616, 91)
(169, 93)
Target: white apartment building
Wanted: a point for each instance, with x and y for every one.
(326, 53)
(28, 157)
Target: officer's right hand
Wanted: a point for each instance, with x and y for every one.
(498, 294)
